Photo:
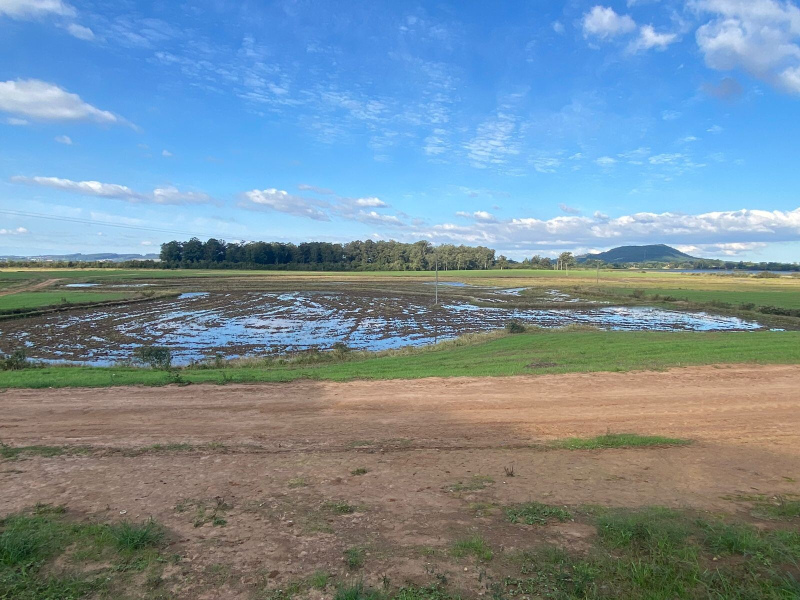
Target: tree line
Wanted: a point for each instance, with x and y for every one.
(358, 255)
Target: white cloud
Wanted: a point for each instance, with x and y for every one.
(494, 142)
(649, 38)
(40, 100)
(164, 195)
(32, 9)
(304, 187)
(166, 153)
(372, 202)
(17, 231)
(606, 161)
(558, 27)
(670, 115)
(80, 32)
(16, 122)
(283, 201)
(569, 209)
(726, 229)
(602, 22)
(715, 129)
(64, 139)
(758, 36)
(688, 139)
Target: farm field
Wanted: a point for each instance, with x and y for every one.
(324, 435)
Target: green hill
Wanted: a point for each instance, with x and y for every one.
(637, 254)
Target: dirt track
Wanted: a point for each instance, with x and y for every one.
(291, 447)
(751, 405)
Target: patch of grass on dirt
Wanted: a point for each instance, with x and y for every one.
(339, 507)
(473, 484)
(619, 440)
(297, 482)
(354, 557)
(41, 551)
(536, 513)
(359, 471)
(782, 508)
(205, 511)
(661, 554)
(472, 546)
(16, 452)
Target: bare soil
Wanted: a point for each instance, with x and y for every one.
(290, 448)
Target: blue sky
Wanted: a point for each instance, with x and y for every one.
(530, 127)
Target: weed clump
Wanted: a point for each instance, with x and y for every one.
(16, 361)
(536, 513)
(158, 357)
(515, 327)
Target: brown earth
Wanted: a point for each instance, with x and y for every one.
(289, 448)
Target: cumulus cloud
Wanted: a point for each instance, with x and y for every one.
(162, 195)
(728, 230)
(649, 38)
(39, 100)
(64, 139)
(758, 36)
(602, 22)
(17, 231)
(166, 153)
(284, 202)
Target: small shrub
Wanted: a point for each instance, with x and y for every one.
(747, 306)
(15, 361)
(515, 327)
(638, 294)
(767, 275)
(158, 357)
(359, 471)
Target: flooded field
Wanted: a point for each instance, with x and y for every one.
(197, 325)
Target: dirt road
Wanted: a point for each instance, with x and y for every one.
(432, 451)
(750, 405)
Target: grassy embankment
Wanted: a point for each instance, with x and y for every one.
(535, 352)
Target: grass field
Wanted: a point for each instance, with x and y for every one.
(541, 351)
(32, 300)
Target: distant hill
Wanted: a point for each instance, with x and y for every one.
(105, 256)
(637, 254)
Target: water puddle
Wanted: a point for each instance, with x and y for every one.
(197, 325)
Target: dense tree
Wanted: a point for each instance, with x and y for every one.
(357, 255)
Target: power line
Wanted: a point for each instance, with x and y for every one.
(100, 223)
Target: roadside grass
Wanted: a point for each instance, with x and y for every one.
(618, 440)
(534, 352)
(16, 452)
(354, 557)
(780, 508)
(45, 555)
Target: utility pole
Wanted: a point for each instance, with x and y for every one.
(436, 292)
(598, 274)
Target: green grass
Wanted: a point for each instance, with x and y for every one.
(31, 542)
(472, 546)
(354, 557)
(784, 297)
(568, 351)
(33, 300)
(536, 513)
(619, 440)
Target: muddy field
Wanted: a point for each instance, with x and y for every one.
(421, 462)
(241, 321)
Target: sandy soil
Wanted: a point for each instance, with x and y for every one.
(289, 448)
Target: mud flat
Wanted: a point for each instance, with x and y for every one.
(199, 325)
